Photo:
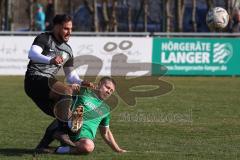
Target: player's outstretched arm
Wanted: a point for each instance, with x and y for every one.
(109, 139)
(75, 81)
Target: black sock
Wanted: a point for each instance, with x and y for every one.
(63, 126)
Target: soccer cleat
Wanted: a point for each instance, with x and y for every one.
(47, 150)
(63, 138)
(77, 119)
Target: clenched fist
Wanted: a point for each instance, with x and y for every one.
(58, 60)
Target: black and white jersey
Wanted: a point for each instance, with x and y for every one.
(51, 48)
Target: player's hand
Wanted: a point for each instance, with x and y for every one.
(88, 84)
(56, 60)
(75, 87)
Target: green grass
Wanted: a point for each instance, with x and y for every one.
(198, 119)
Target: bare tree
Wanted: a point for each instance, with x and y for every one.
(89, 6)
(168, 15)
(95, 19)
(235, 3)
(105, 15)
(93, 10)
(30, 12)
(70, 7)
(231, 5)
(110, 16)
(138, 15)
(8, 14)
(56, 2)
(1, 13)
(210, 3)
(194, 23)
(180, 14)
(129, 17)
(145, 6)
(113, 22)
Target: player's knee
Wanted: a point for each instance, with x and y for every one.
(86, 147)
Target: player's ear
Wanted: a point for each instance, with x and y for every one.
(57, 27)
(100, 83)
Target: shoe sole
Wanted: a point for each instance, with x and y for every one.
(44, 150)
(77, 119)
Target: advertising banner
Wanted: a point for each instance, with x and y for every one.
(112, 55)
(14, 54)
(197, 56)
(93, 55)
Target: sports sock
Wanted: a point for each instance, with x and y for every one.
(62, 126)
(63, 149)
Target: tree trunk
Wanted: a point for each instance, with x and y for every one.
(114, 16)
(92, 8)
(168, 15)
(95, 11)
(55, 4)
(8, 15)
(138, 14)
(194, 23)
(70, 7)
(228, 6)
(31, 15)
(129, 17)
(180, 14)
(89, 6)
(105, 15)
(210, 3)
(235, 3)
(1, 13)
(145, 6)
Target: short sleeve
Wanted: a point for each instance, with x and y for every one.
(105, 121)
(41, 40)
(69, 55)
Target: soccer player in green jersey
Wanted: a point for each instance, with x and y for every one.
(96, 114)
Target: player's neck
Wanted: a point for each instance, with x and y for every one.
(57, 38)
(97, 94)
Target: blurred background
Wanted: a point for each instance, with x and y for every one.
(113, 15)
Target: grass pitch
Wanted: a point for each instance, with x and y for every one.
(198, 119)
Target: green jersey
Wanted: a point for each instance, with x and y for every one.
(96, 113)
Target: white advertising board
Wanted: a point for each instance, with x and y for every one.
(93, 55)
(14, 54)
(111, 55)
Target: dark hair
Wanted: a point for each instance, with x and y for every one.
(106, 78)
(61, 18)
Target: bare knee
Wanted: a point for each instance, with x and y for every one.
(85, 146)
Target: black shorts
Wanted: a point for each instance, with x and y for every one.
(38, 88)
